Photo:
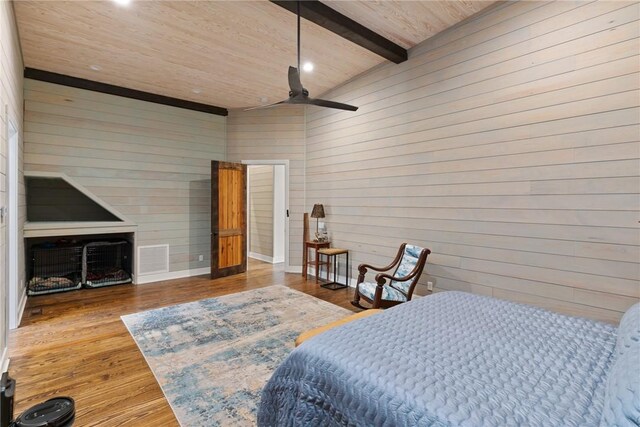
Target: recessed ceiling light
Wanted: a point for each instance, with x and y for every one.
(122, 2)
(196, 90)
(307, 66)
(95, 67)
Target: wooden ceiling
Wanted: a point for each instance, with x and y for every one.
(232, 53)
(407, 23)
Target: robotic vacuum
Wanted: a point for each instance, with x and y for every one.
(56, 412)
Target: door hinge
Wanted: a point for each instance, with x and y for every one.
(287, 213)
(3, 212)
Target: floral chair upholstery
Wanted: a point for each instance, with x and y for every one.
(408, 263)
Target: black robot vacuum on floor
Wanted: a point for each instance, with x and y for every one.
(56, 412)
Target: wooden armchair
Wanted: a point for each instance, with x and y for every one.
(409, 263)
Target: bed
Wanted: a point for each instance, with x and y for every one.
(457, 359)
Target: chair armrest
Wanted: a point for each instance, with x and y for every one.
(362, 268)
(381, 277)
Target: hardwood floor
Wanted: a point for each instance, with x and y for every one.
(75, 344)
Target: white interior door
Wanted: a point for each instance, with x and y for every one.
(279, 213)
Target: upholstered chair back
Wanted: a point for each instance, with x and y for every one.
(407, 264)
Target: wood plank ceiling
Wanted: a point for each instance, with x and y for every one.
(407, 23)
(229, 54)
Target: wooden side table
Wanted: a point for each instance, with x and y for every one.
(316, 259)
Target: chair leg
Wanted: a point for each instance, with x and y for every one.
(357, 304)
(356, 299)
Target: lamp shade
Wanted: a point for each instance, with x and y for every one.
(318, 211)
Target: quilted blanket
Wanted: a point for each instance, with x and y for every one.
(450, 359)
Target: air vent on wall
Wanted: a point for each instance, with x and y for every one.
(153, 259)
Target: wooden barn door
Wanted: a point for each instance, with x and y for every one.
(228, 219)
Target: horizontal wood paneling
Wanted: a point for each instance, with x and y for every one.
(10, 96)
(509, 145)
(261, 210)
(151, 162)
(274, 134)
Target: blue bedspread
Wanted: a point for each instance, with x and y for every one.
(450, 359)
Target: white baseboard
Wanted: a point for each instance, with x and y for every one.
(4, 360)
(261, 257)
(294, 269)
(151, 278)
(21, 306)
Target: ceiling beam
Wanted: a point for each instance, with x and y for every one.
(63, 79)
(334, 21)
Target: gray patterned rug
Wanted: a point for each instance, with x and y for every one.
(212, 357)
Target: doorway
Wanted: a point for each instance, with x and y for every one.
(267, 208)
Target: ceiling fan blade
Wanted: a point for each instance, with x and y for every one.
(297, 93)
(260, 107)
(331, 104)
(294, 81)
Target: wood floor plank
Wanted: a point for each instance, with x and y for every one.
(75, 344)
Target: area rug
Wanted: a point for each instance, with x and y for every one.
(213, 357)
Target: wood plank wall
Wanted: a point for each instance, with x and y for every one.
(274, 134)
(149, 161)
(509, 145)
(261, 210)
(11, 96)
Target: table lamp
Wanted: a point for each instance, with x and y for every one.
(317, 213)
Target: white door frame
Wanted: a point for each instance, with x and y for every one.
(284, 163)
(15, 301)
(279, 222)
